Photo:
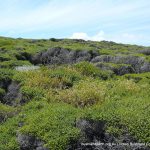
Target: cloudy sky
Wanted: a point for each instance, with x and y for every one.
(124, 21)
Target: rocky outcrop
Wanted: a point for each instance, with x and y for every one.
(118, 70)
(27, 142)
(123, 70)
(138, 64)
(95, 137)
(91, 130)
(59, 55)
(62, 56)
(145, 67)
(145, 52)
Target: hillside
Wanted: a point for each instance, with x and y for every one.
(61, 94)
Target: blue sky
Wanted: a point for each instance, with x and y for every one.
(123, 21)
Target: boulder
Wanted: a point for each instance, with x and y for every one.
(91, 130)
(27, 142)
(145, 67)
(51, 56)
(13, 96)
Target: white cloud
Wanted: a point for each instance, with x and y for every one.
(81, 35)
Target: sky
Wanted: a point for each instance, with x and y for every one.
(122, 21)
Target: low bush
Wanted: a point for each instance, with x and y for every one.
(6, 112)
(85, 93)
(52, 123)
(88, 69)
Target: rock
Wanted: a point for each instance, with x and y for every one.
(57, 55)
(94, 137)
(135, 62)
(27, 142)
(52, 56)
(118, 70)
(91, 130)
(123, 70)
(13, 96)
(145, 52)
(27, 68)
(83, 56)
(145, 67)
(62, 56)
(105, 66)
(103, 58)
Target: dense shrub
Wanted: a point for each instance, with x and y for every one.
(85, 93)
(88, 69)
(6, 112)
(2, 93)
(53, 123)
(8, 131)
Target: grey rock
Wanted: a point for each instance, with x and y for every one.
(119, 70)
(135, 62)
(123, 70)
(94, 137)
(145, 67)
(27, 142)
(145, 51)
(51, 56)
(13, 96)
(91, 130)
(59, 55)
(83, 56)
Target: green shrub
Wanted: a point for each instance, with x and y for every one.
(8, 131)
(52, 123)
(6, 111)
(29, 93)
(85, 93)
(88, 69)
(2, 93)
(6, 74)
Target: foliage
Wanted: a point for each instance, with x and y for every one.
(53, 123)
(88, 69)
(56, 96)
(85, 93)
(6, 111)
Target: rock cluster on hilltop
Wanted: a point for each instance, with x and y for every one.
(63, 56)
(134, 64)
